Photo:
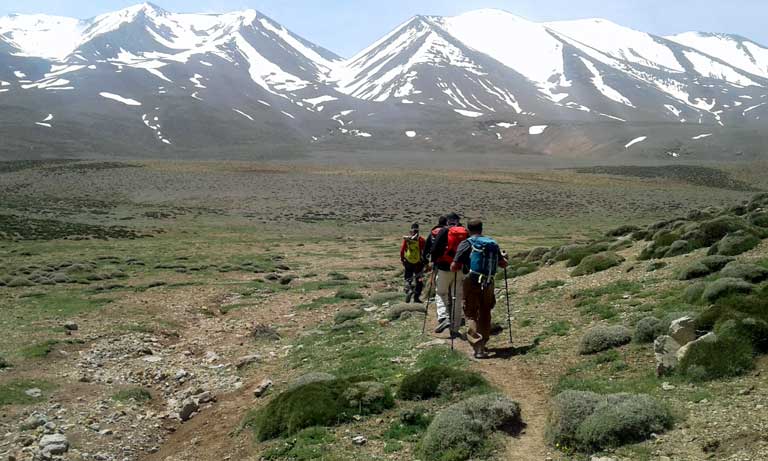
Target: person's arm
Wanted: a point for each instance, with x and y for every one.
(426, 253)
(402, 251)
(438, 246)
(462, 256)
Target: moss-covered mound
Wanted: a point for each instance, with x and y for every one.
(438, 380)
(725, 287)
(396, 311)
(726, 357)
(602, 338)
(588, 422)
(461, 431)
(735, 244)
(347, 315)
(324, 403)
(597, 263)
(748, 272)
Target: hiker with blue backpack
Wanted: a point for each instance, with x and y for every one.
(478, 258)
(413, 265)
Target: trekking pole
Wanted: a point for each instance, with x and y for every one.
(430, 287)
(509, 313)
(453, 307)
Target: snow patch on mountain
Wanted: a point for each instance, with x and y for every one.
(604, 88)
(537, 129)
(120, 99)
(635, 141)
(741, 53)
(468, 113)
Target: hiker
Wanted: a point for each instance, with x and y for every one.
(442, 223)
(448, 284)
(478, 257)
(413, 264)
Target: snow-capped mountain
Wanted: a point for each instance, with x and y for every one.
(145, 81)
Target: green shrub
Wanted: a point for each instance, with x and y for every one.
(695, 270)
(397, 310)
(725, 287)
(597, 263)
(759, 219)
(648, 329)
(347, 315)
(137, 394)
(346, 293)
(547, 285)
(409, 424)
(461, 431)
(726, 357)
(678, 248)
(749, 329)
(692, 294)
(622, 419)
(735, 244)
(621, 231)
(337, 276)
(602, 338)
(307, 444)
(716, 263)
(748, 272)
(588, 422)
(325, 403)
(758, 201)
(438, 380)
(385, 297)
(711, 231)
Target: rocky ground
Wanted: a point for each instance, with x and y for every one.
(167, 365)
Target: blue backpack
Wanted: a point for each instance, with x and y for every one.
(484, 259)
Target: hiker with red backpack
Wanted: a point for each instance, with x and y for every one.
(413, 265)
(449, 285)
(478, 257)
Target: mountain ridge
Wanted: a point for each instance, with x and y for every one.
(483, 80)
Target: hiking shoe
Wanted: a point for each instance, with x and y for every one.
(442, 325)
(482, 355)
(418, 301)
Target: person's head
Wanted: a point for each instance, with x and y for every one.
(475, 227)
(414, 228)
(442, 221)
(453, 219)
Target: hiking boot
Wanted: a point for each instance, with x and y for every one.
(442, 325)
(418, 300)
(482, 355)
(458, 335)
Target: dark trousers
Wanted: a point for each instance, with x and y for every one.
(414, 280)
(479, 300)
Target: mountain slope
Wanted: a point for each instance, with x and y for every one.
(144, 81)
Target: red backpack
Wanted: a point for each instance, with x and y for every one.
(456, 235)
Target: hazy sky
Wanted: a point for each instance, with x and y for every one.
(346, 26)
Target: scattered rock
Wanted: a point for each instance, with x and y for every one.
(71, 326)
(53, 444)
(35, 393)
(359, 440)
(187, 409)
(33, 422)
(243, 362)
(262, 388)
(316, 377)
(665, 349)
(667, 387)
(683, 330)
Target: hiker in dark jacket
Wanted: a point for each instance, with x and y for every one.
(478, 257)
(442, 223)
(448, 284)
(413, 265)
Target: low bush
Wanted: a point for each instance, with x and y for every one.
(438, 380)
(727, 357)
(759, 219)
(748, 272)
(735, 244)
(621, 231)
(692, 294)
(695, 270)
(716, 263)
(648, 329)
(346, 293)
(397, 310)
(725, 287)
(323, 403)
(597, 263)
(137, 394)
(602, 338)
(347, 315)
(461, 431)
(748, 329)
(307, 444)
(588, 422)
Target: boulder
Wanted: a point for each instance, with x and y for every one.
(243, 362)
(187, 409)
(683, 330)
(262, 388)
(665, 350)
(683, 351)
(53, 444)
